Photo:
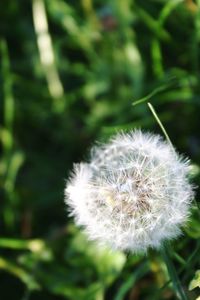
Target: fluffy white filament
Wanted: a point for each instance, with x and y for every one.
(133, 194)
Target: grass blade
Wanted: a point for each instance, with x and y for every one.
(156, 91)
(159, 123)
(172, 273)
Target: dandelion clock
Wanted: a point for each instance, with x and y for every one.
(133, 194)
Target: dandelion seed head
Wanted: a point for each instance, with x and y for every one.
(133, 193)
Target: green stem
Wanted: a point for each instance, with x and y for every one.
(173, 273)
(159, 123)
(156, 91)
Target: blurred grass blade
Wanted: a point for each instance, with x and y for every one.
(195, 38)
(35, 245)
(45, 47)
(167, 9)
(13, 243)
(165, 251)
(12, 169)
(157, 58)
(179, 258)
(194, 255)
(135, 68)
(17, 271)
(16, 162)
(153, 24)
(6, 136)
(138, 274)
(8, 113)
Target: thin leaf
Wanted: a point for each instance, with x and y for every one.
(159, 123)
(172, 273)
(154, 92)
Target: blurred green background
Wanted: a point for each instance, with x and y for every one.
(70, 71)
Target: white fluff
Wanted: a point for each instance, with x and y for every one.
(133, 194)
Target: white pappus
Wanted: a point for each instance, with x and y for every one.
(133, 193)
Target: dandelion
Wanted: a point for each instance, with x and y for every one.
(133, 193)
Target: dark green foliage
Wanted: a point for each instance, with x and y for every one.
(93, 61)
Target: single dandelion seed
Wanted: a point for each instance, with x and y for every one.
(133, 193)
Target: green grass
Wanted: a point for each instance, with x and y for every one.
(101, 58)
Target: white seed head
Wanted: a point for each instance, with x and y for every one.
(133, 194)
